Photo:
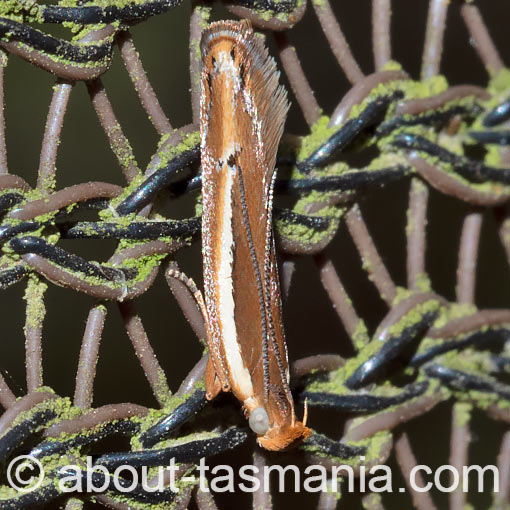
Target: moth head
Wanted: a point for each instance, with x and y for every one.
(278, 437)
(284, 437)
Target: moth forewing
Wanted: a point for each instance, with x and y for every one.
(242, 113)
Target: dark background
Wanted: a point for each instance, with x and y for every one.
(311, 324)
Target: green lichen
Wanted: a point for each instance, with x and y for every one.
(143, 265)
(269, 14)
(319, 133)
(422, 282)
(336, 379)
(482, 400)
(392, 65)
(109, 213)
(61, 406)
(412, 90)
(500, 83)
(401, 294)
(415, 316)
(123, 151)
(105, 62)
(360, 337)
(155, 415)
(205, 15)
(266, 15)
(452, 312)
(302, 233)
(27, 11)
(283, 17)
(188, 141)
(455, 145)
(493, 155)
(426, 88)
(34, 297)
(374, 446)
(31, 12)
(104, 3)
(462, 413)
(446, 314)
(166, 152)
(334, 382)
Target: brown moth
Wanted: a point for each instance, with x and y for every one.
(242, 114)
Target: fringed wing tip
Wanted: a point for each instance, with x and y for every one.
(270, 97)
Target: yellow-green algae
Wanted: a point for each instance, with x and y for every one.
(105, 62)
(447, 314)
(414, 316)
(500, 82)
(61, 406)
(269, 14)
(462, 413)
(34, 297)
(452, 312)
(372, 500)
(475, 363)
(21, 11)
(336, 379)
(198, 435)
(304, 234)
(144, 266)
(181, 484)
(155, 415)
(104, 3)
(205, 15)
(360, 337)
(416, 90)
(64, 410)
(373, 445)
(188, 141)
(319, 133)
(422, 282)
(165, 154)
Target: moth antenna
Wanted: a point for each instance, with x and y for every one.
(199, 299)
(192, 287)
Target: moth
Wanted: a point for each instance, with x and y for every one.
(242, 114)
